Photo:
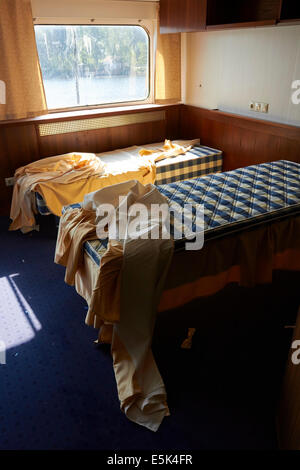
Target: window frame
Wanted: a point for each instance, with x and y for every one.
(149, 28)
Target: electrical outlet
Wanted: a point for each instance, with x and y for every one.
(257, 107)
(10, 181)
(264, 107)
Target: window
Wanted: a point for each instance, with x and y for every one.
(92, 65)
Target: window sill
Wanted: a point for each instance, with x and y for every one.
(86, 113)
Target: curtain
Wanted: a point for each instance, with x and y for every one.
(20, 72)
(168, 68)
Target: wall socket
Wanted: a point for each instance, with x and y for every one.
(264, 108)
(10, 181)
(259, 107)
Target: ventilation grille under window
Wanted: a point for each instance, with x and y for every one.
(79, 125)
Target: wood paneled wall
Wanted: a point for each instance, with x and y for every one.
(244, 141)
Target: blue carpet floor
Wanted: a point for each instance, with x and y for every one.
(57, 389)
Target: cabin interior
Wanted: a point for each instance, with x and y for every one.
(184, 342)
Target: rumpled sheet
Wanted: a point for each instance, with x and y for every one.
(168, 150)
(66, 169)
(125, 294)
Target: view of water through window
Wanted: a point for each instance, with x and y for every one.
(90, 65)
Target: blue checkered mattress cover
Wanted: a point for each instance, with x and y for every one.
(233, 201)
(199, 161)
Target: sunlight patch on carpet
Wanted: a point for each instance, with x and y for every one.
(18, 323)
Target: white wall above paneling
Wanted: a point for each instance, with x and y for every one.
(94, 9)
(238, 66)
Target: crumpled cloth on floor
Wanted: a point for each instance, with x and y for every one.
(124, 296)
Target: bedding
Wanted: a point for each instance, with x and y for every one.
(198, 161)
(64, 179)
(251, 228)
(67, 170)
(130, 280)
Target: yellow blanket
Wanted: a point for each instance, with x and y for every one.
(124, 294)
(67, 169)
(169, 149)
(66, 179)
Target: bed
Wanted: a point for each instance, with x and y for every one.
(199, 161)
(251, 228)
(234, 201)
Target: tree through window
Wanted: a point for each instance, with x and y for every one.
(91, 65)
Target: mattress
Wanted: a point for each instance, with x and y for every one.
(233, 201)
(199, 161)
(41, 206)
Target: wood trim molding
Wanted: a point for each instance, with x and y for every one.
(88, 114)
